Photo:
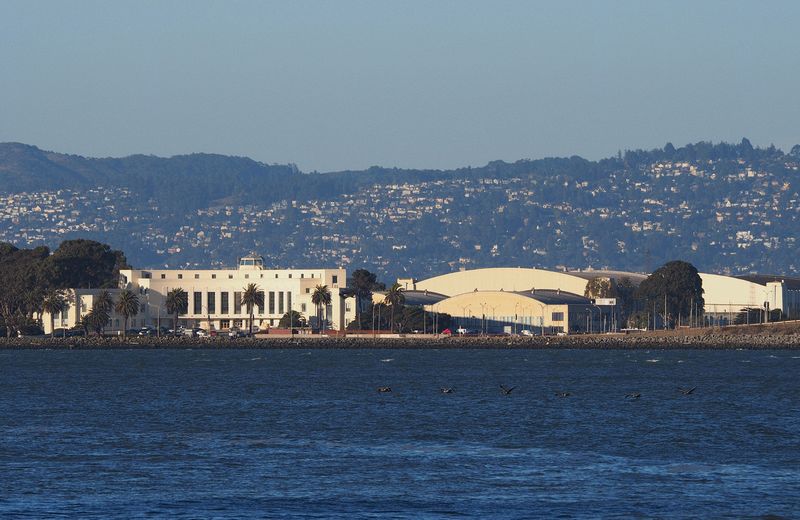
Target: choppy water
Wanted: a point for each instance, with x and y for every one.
(280, 433)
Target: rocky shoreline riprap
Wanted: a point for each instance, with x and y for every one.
(709, 340)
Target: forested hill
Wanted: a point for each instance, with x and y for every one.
(726, 207)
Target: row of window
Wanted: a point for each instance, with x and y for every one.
(276, 302)
(334, 280)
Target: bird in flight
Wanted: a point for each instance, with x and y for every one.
(562, 394)
(384, 389)
(634, 395)
(507, 391)
(447, 389)
(687, 391)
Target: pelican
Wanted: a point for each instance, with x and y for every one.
(634, 395)
(384, 389)
(447, 389)
(687, 391)
(562, 394)
(507, 391)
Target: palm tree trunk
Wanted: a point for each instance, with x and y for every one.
(125, 327)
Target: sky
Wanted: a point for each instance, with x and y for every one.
(413, 84)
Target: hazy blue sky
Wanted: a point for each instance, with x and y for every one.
(344, 84)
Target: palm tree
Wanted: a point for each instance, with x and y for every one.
(362, 283)
(321, 298)
(54, 303)
(251, 297)
(127, 305)
(394, 298)
(177, 302)
(101, 309)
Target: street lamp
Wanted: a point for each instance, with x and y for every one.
(158, 318)
(464, 313)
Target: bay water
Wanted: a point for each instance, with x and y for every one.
(304, 433)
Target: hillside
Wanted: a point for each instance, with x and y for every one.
(726, 208)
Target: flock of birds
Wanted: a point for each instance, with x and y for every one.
(507, 391)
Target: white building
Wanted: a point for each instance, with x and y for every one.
(727, 296)
(214, 297)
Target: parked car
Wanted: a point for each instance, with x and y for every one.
(201, 333)
(526, 332)
(238, 333)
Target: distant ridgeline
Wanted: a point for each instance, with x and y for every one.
(723, 207)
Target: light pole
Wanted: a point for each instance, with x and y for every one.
(464, 314)
(516, 320)
(158, 318)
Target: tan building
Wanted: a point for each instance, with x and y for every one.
(539, 311)
(513, 297)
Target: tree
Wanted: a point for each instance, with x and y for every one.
(677, 286)
(363, 282)
(54, 303)
(127, 306)
(321, 298)
(23, 284)
(292, 319)
(251, 297)
(177, 302)
(86, 264)
(394, 299)
(599, 287)
(100, 314)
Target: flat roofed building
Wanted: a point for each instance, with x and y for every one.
(215, 294)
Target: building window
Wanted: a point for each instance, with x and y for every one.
(335, 279)
(223, 302)
(276, 275)
(280, 302)
(261, 299)
(212, 302)
(302, 275)
(290, 275)
(289, 300)
(230, 277)
(198, 303)
(303, 307)
(308, 290)
(261, 276)
(213, 277)
(247, 276)
(272, 302)
(558, 316)
(163, 276)
(180, 276)
(196, 276)
(237, 302)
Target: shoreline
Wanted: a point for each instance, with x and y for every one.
(713, 340)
